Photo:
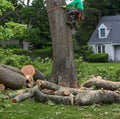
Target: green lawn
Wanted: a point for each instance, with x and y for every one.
(32, 110)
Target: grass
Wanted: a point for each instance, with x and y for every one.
(30, 109)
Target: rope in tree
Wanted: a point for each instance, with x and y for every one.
(53, 9)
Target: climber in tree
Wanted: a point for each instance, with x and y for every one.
(75, 12)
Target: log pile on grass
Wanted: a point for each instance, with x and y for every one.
(104, 91)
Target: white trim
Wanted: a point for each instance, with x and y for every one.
(102, 26)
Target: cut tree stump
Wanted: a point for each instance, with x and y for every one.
(11, 77)
(99, 83)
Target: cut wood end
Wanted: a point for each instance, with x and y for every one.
(55, 92)
(38, 83)
(20, 92)
(14, 100)
(28, 70)
(29, 81)
(72, 98)
(2, 87)
(66, 92)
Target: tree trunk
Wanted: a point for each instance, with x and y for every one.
(63, 71)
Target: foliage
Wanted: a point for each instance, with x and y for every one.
(43, 53)
(5, 5)
(84, 51)
(35, 16)
(5, 33)
(98, 57)
(17, 29)
(109, 71)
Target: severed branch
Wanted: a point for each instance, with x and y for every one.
(99, 83)
(41, 97)
(24, 95)
(86, 97)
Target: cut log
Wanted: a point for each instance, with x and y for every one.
(14, 94)
(60, 90)
(41, 97)
(89, 97)
(25, 95)
(12, 68)
(11, 77)
(48, 91)
(48, 85)
(2, 87)
(99, 83)
(22, 97)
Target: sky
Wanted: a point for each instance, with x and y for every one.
(26, 1)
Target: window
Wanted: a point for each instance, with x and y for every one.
(101, 49)
(102, 32)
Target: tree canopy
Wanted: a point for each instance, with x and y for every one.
(35, 18)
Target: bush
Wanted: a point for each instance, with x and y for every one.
(83, 51)
(99, 57)
(43, 53)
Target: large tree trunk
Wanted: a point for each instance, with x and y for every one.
(63, 72)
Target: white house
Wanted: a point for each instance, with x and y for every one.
(106, 37)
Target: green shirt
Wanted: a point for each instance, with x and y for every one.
(77, 4)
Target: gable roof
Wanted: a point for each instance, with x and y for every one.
(113, 24)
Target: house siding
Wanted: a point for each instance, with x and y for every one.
(109, 49)
(117, 52)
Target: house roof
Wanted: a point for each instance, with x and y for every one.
(113, 24)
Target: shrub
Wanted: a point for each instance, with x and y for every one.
(43, 53)
(99, 57)
(83, 51)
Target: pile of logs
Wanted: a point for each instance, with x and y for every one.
(94, 91)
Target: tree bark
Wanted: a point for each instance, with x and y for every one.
(99, 83)
(89, 97)
(39, 75)
(41, 97)
(11, 77)
(63, 71)
(24, 95)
